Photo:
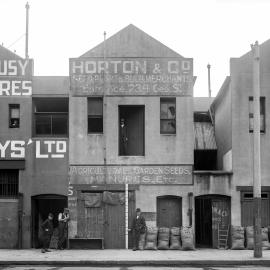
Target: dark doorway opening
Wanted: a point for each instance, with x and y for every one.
(169, 211)
(42, 205)
(211, 212)
(131, 130)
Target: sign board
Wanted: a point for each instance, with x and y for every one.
(131, 76)
(142, 175)
(16, 77)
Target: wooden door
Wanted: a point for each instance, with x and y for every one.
(114, 226)
(169, 211)
(221, 216)
(247, 209)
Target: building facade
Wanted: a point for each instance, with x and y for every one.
(33, 150)
(233, 110)
(123, 131)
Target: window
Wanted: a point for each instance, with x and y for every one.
(9, 183)
(131, 130)
(262, 114)
(14, 115)
(50, 116)
(167, 116)
(95, 115)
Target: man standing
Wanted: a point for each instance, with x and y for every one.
(123, 137)
(138, 228)
(47, 231)
(63, 219)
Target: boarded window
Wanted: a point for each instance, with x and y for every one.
(262, 114)
(167, 116)
(9, 183)
(95, 115)
(50, 116)
(14, 115)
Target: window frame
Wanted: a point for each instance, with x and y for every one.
(14, 106)
(162, 101)
(51, 114)
(262, 113)
(95, 116)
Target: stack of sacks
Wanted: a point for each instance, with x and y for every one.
(265, 240)
(238, 237)
(163, 238)
(142, 241)
(151, 238)
(187, 238)
(175, 238)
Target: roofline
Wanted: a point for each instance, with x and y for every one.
(2, 47)
(224, 88)
(82, 56)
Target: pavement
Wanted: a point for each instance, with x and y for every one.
(121, 257)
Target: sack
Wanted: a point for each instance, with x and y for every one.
(163, 238)
(265, 240)
(142, 241)
(237, 237)
(175, 238)
(187, 238)
(151, 239)
(249, 237)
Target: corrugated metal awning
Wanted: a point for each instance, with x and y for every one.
(204, 136)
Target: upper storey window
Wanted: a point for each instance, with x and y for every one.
(50, 117)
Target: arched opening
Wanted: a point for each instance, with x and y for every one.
(169, 211)
(212, 213)
(41, 206)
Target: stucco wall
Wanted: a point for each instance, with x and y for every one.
(159, 149)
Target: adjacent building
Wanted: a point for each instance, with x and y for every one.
(233, 114)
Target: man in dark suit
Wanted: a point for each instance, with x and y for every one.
(138, 228)
(47, 231)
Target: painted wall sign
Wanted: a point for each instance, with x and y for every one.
(16, 77)
(145, 175)
(43, 149)
(131, 76)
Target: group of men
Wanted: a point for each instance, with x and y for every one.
(138, 228)
(47, 230)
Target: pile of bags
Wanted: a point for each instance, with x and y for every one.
(244, 237)
(167, 238)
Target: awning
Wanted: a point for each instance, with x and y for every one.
(204, 136)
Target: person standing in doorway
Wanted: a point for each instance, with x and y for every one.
(123, 137)
(138, 228)
(63, 219)
(47, 231)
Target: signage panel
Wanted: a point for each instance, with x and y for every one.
(144, 175)
(131, 76)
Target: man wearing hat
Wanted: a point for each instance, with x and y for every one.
(47, 231)
(138, 228)
(63, 219)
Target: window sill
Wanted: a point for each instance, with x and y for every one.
(167, 134)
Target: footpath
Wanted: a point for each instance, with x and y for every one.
(197, 258)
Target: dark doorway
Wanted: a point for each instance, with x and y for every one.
(211, 212)
(42, 205)
(205, 160)
(131, 130)
(169, 211)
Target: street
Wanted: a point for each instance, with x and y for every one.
(129, 268)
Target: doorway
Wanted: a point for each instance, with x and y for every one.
(169, 211)
(211, 211)
(42, 205)
(131, 130)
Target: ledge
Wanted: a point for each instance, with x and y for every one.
(213, 172)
